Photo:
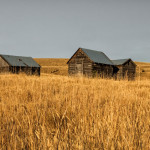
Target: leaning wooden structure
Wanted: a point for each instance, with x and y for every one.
(95, 63)
(19, 64)
(127, 68)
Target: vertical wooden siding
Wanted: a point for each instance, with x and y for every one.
(4, 66)
(82, 59)
(127, 70)
(103, 70)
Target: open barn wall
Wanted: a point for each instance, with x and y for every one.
(26, 70)
(80, 64)
(17, 70)
(35, 71)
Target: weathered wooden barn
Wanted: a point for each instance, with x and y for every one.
(90, 63)
(127, 68)
(18, 64)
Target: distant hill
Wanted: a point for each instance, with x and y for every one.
(143, 69)
(56, 66)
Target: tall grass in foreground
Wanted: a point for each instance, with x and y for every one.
(57, 112)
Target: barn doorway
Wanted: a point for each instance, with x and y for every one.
(115, 71)
(79, 67)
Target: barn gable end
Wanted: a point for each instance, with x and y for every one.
(4, 66)
(3, 63)
(80, 63)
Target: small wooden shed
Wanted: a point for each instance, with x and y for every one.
(90, 62)
(127, 68)
(17, 64)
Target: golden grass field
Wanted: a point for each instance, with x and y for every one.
(60, 112)
(55, 66)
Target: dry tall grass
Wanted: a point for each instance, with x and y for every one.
(58, 112)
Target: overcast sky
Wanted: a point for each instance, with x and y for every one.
(57, 28)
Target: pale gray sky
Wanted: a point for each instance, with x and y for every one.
(56, 28)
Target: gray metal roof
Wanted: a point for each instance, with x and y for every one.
(20, 61)
(97, 56)
(120, 61)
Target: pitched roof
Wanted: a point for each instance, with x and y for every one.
(97, 56)
(20, 61)
(120, 61)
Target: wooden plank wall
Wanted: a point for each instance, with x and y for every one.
(128, 70)
(105, 71)
(80, 58)
(4, 67)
